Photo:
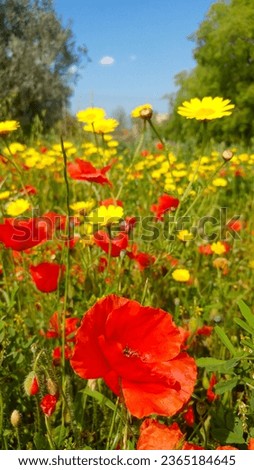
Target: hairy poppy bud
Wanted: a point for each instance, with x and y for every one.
(52, 387)
(31, 384)
(15, 418)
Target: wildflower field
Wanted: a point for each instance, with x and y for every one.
(126, 288)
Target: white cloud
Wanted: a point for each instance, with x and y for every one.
(107, 60)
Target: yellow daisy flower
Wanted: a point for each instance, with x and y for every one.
(220, 182)
(106, 215)
(218, 248)
(181, 275)
(4, 195)
(102, 126)
(185, 235)
(16, 208)
(82, 206)
(8, 126)
(206, 109)
(89, 115)
(145, 111)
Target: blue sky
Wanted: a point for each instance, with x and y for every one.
(136, 48)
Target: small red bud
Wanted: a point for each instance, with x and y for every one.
(31, 384)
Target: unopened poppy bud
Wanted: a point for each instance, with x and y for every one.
(52, 387)
(31, 384)
(15, 418)
(227, 155)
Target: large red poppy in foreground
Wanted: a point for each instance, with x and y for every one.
(137, 351)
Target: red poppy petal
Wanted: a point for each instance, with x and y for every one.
(88, 360)
(152, 334)
(160, 397)
(158, 436)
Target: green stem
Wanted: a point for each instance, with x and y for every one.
(136, 152)
(18, 438)
(67, 265)
(156, 132)
(112, 425)
(49, 433)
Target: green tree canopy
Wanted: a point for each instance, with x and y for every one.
(225, 67)
(38, 62)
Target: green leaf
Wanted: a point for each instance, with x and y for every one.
(102, 400)
(40, 441)
(236, 436)
(212, 364)
(246, 313)
(244, 325)
(225, 385)
(59, 433)
(225, 339)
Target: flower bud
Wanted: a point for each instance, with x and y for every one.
(15, 418)
(201, 408)
(227, 155)
(146, 113)
(31, 384)
(52, 386)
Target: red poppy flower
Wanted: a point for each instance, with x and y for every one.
(28, 189)
(113, 246)
(57, 354)
(205, 249)
(48, 404)
(173, 261)
(143, 260)
(21, 234)
(158, 436)
(54, 330)
(111, 202)
(159, 146)
(84, 171)
(137, 351)
(54, 221)
(205, 330)
(235, 225)
(165, 204)
(46, 276)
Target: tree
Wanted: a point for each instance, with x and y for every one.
(38, 62)
(225, 67)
